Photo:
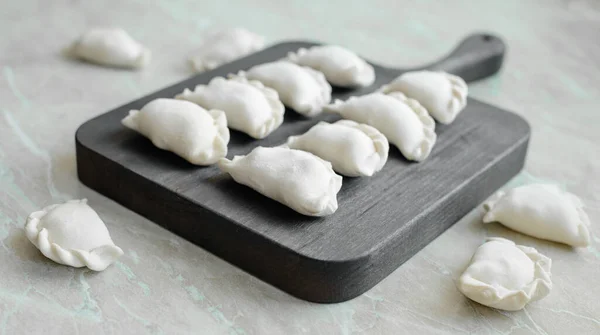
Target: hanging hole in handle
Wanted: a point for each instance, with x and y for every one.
(487, 38)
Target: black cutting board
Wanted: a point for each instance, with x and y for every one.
(381, 221)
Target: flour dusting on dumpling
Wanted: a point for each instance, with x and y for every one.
(353, 149)
(72, 234)
(224, 46)
(184, 128)
(340, 66)
(111, 47)
(506, 276)
(543, 211)
(250, 106)
(443, 95)
(403, 121)
(297, 179)
(299, 87)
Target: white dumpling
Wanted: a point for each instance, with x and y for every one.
(353, 149)
(112, 47)
(184, 128)
(403, 121)
(250, 106)
(72, 234)
(340, 66)
(543, 211)
(297, 179)
(225, 46)
(506, 276)
(443, 95)
(299, 87)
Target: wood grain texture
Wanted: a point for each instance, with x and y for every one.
(381, 221)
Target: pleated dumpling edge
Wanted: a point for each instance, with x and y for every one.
(295, 178)
(354, 149)
(300, 88)
(340, 66)
(506, 276)
(404, 121)
(541, 210)
(61, 241)
(199, 136)
(250, 106)
(443, 94)
(223, 46)
(109, 47)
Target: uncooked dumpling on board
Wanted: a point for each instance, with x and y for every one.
(443, 95)
(299, 87)
(225, 46)
(72, 234)
(506, 276)
(182, 127)
(403, 121)
(111, 47)
(297, 179)
(353, 149)
(340, 66)
(250, 106)
(543, 211)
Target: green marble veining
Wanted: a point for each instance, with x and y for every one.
(9, 76)
(131, 276)
(165, 285)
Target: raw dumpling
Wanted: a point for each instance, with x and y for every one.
(225, 46)
(353, 149)
(72, 234)
(297, 179)
(112, 47)
(443, 95)
(250, 106)
(506, 276)
(403, 121)
(182, 127)
(543, 211)
(301, 88)
(340, 66)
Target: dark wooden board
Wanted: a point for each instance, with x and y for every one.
(381, 222)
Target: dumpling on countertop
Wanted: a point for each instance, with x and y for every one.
(110, 47)
(506, 276)
(543, 211)
(224, 46)
(72, 234)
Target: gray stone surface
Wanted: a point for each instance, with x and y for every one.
(164, 284)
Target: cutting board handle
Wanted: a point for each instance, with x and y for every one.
(478, 56)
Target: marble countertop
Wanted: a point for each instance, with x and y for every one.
(166, 285)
